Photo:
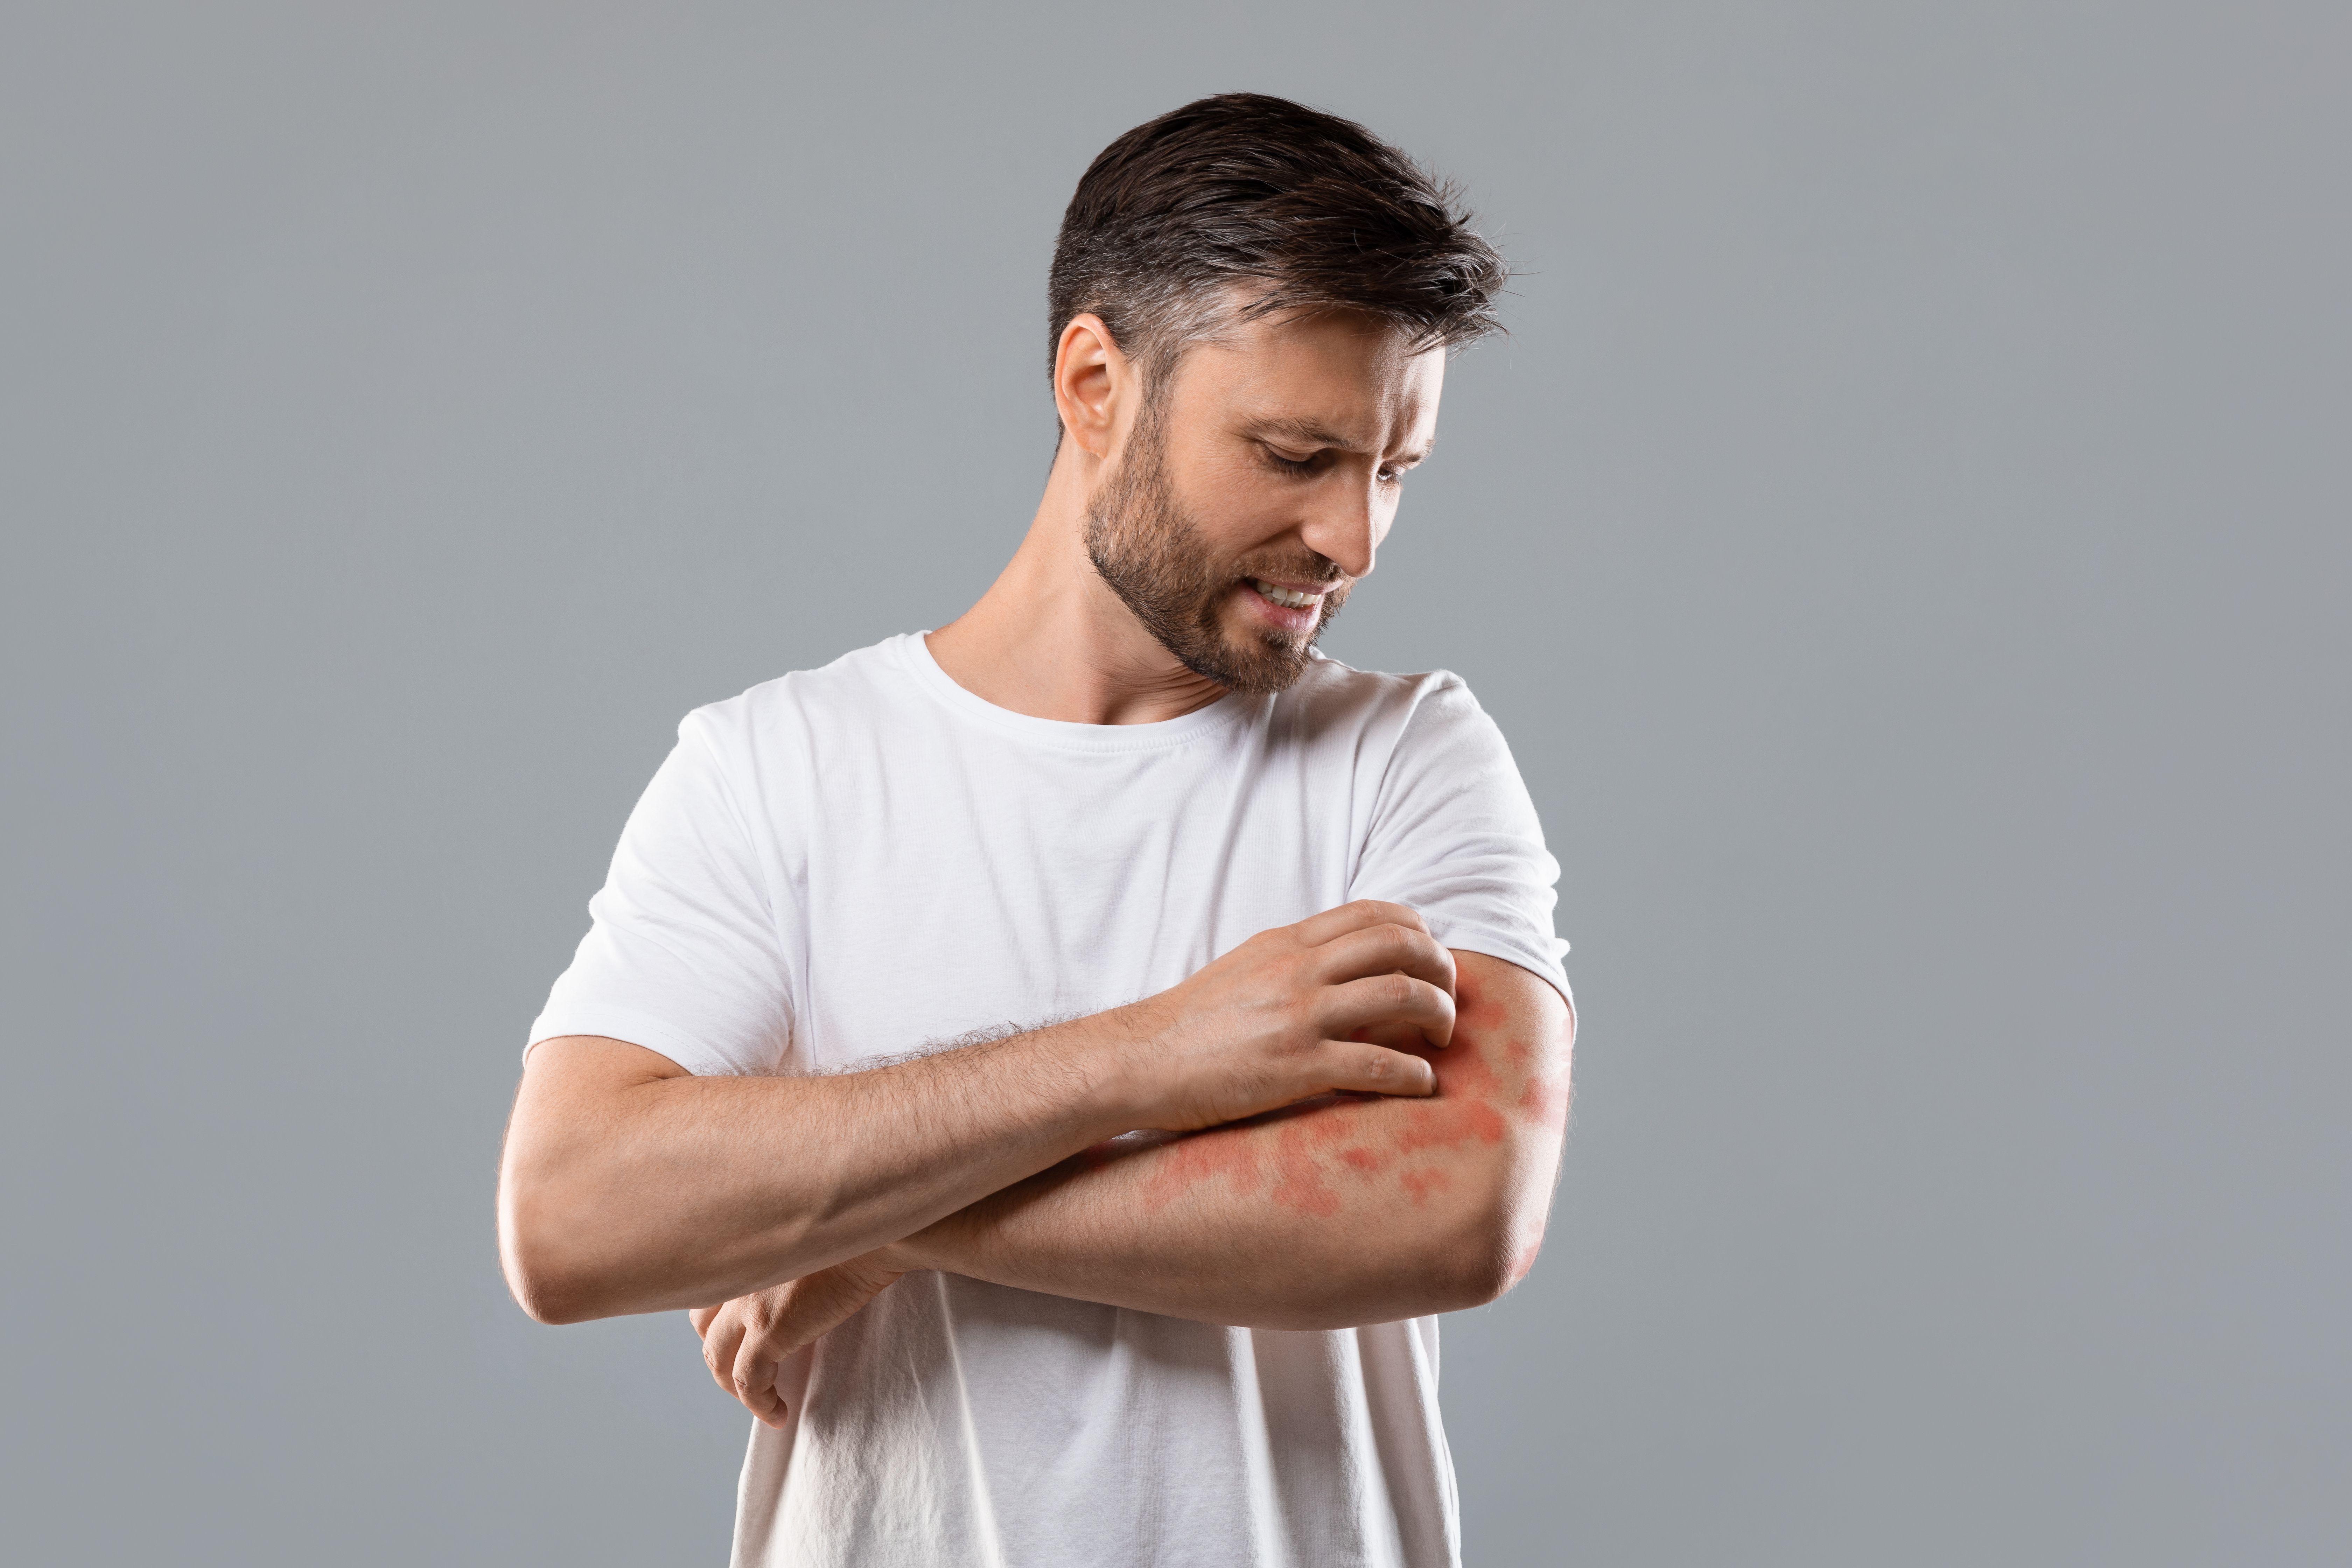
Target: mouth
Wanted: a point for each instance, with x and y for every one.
(1291, 612)
(1289, 598)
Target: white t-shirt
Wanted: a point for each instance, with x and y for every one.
(863, 860)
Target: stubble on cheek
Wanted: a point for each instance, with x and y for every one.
(1155, 555)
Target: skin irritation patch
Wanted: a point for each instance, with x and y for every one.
(1418, 1184)
(1545, 1098)
(1315, 1142)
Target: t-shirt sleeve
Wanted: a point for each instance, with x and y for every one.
(685, 955)
(1455, 835)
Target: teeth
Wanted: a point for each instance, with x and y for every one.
(1283, 596)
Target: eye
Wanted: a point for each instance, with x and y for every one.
(1305, 465)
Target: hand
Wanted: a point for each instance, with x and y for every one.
(1295, 1012)
(745, 1341)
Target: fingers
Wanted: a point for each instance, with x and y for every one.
(1370, 1069)
(1389, 947)
(1386, 999)
(1317, 930)
(700, 1317)
(755, 1368)
(720, 1343)
(746, 1341)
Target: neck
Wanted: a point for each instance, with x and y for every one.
(1050, 639)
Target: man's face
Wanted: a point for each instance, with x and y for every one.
(1250, 497)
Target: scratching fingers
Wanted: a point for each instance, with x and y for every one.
(1389, 947)
(1370, 1069)
(1317, 930)
(1387, 999)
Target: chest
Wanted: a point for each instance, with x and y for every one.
(947, 889)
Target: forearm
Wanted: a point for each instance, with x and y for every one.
(629, 1185)
(1245, 1226)
(1345, 1212)
(628, 1188)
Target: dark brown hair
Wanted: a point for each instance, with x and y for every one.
(1303, 209)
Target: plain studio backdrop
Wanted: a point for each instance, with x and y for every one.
(1904, 536)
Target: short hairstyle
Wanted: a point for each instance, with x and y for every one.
(1300, 209)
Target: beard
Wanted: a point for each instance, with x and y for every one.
(1153, 555)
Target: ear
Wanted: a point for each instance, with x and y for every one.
(1092, 380)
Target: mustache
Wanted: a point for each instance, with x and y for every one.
(1319, 569)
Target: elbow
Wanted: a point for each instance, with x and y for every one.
(544, 1305)
(1486, 1255)
(1472, 1274)
(1448, 1268)
(545, 1263)
(1488, 1276)
(549, 1296)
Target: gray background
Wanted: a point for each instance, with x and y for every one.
(1905, 538)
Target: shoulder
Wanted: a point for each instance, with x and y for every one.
(787, 713)
(1332, 699)
(1419, 743)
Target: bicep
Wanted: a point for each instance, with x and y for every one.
(1514, 1035)
(585, 1058)
(1501, 1105)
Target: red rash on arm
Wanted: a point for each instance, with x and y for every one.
(1485, 1079)
(1339, 1211)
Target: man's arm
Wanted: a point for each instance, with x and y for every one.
(629, 1185)
(1326, 1215)
(1343, 1212)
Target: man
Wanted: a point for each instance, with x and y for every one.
(1082, 1047)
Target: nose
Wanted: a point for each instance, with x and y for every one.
(1345, 527)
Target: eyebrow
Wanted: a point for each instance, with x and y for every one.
(1308, 433)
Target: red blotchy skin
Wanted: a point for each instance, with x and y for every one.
(1545, 1100)
(1300, 1183)
(1418, 1184)
(1221, 1151)
(1463, 1109)
(1474, 1012)
(1467, 1087)
(1304, 1153)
